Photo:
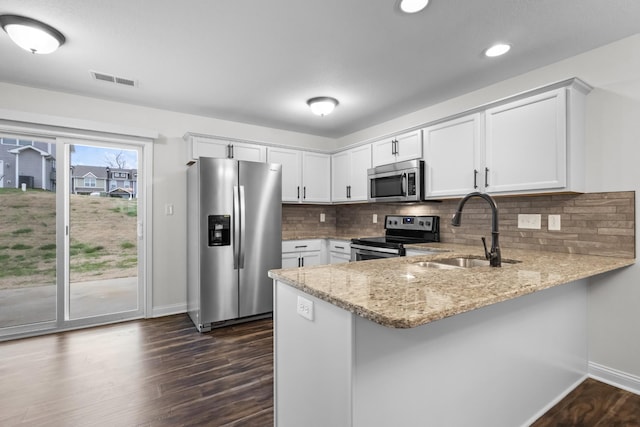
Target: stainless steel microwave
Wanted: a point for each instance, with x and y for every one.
(396, 182)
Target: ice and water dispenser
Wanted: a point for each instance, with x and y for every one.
(219, 230)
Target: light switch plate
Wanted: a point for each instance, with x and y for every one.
(305, 308)
(375, 218)
(322, 217)
(530, 221)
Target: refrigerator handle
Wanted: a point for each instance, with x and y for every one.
(243, 225)
(236, 227)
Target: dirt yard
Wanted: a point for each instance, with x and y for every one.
(103, 238)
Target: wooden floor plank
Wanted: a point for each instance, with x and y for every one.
(162, 372)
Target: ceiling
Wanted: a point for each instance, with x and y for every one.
(259, 61)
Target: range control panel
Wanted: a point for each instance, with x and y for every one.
(410, 222)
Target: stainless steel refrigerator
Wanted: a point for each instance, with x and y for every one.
(234, 231)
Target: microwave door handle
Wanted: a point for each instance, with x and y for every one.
(404, 184)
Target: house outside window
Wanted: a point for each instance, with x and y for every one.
(127, 184)
(89, 181)
(112, 185)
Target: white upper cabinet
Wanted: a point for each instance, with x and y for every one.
(526, 144)
(349, 174)
(316, 177)
(452, 152)
(305, 175)
(291, 162)
(407, 146)
(199, 146)
(531, 145)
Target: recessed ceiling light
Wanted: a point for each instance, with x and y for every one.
(322, 105)
(497, 50)
(32, 35)
(413, 6)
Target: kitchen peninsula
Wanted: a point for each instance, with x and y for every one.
(392, 342)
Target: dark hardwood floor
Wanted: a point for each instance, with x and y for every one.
(156, 372)
(595, 404)
(161, 372)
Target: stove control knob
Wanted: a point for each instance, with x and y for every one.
(421, 223)
(395, 222)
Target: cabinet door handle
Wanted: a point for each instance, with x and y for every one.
(475, 178)
(486, 177)
(230, 151)
(346, 189)
(304, 192)
(298, 192)
(301, 261)
(300, 246)
(339, 247)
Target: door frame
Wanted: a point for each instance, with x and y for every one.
(59, 128)
(63, 233)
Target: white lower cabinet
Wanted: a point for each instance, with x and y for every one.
(302, 253)
(339, 251)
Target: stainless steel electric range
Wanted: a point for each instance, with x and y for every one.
(400, 230)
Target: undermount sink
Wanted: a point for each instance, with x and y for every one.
(459, 262)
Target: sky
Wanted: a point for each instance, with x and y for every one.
(101, 156)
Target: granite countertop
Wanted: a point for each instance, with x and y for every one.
(398, 293)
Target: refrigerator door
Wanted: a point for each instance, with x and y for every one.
(218, 278)
(261, 234)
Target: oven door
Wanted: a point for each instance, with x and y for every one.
(363, 252)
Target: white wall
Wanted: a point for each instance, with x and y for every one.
(169, 170)
(613, 154)
(613, 150)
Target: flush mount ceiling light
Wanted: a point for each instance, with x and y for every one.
(413, 6)
(31, 35)
(497, 50)
(322, 105)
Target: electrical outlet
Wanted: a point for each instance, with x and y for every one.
(530, 221)
(554, 223)
(322, 217)
(375, 218)
(305, 308)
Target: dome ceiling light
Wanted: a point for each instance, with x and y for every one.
(322, 105)
(413, 6)
(497, 50)
(32, 35)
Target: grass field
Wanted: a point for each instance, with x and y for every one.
(103, 238)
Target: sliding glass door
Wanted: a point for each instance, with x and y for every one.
(28, 249)
(71, 241)
(103, 201)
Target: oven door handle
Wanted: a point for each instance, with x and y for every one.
(373, 249)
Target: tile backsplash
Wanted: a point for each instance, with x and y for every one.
(591, 223)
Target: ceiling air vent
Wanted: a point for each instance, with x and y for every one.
(109, 78)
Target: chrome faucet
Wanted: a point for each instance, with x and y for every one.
(494, 257)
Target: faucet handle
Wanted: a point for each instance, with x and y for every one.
(486, 252)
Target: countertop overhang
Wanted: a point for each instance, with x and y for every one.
(398, 293)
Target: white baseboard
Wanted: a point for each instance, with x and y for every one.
(614, 377)
(168, 310)
(553, 402)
